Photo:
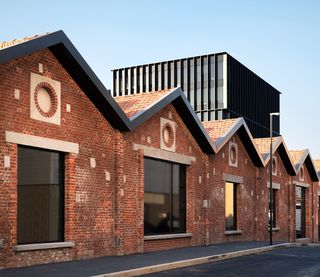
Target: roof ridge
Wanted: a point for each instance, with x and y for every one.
(10, 43)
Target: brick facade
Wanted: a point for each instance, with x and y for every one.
(104, 181)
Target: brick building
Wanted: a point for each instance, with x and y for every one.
(85, 175)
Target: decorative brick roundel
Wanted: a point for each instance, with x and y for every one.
(301, 174)
(45, 99)
(168, 135)
(274, 166)
(233, 154)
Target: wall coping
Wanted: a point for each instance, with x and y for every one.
(301, 184)
(42, 246)
(164, 155)
(233, 232)
(232, 178)
(274, 185)
(168, 236)
(42, 142)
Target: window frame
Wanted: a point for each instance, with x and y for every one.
(60, 208)
(234, 226)
(182, 199)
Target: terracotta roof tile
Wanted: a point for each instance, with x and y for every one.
(317, 165)
(136, 103)
(218, 128)
(14, 42)
(296, 155)
(262, 144)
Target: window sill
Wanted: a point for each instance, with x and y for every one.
(1, 243)
(233, 232)
(275, 229)
(168, 236)
(42, 246)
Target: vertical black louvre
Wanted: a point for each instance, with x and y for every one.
(40, 196)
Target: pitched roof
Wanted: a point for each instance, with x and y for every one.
(300, 157)
(296, 156)
(6, 44)
(143, 106)
(317, 165)
(218, 128)
(65, 52)
(134, 104)
(221, 131)
(263, 145)
(278, 144)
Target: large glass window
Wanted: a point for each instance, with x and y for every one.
(231, 206)
(164, 197)
(40, 196)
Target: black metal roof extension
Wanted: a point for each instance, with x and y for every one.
(62, 48)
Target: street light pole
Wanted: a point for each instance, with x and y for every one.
(270, 169)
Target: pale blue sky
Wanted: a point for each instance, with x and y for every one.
(278, 40)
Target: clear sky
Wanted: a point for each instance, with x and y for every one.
(278, 40)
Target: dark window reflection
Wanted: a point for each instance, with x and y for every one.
(40, 195)
(231, 206)
(164, 197)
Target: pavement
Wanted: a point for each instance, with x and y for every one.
(151, 262)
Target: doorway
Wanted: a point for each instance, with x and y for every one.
(300, 212)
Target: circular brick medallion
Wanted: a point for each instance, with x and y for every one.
(45, 99)
(233, 154)
(168, 135)
(274, 166)
(301, 174)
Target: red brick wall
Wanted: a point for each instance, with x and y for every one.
(283, 220)
(106, 217)
(310, 205)
(246, 195)
(89, 222)
(133, 199)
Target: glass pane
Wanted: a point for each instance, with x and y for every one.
(274, 197)
(178, 199)
(205, 83)
(220, 82)
(40, 196)
(230, 206)
(178, 73)
(191, 87)
(157, 190)
(165, 73)
(212, 82)
(198, 84)
(172, 75)
(185, 77)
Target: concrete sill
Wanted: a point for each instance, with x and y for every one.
(275, 229)
(43, 246)
(233, 232)
(1, 243)
(169, 236)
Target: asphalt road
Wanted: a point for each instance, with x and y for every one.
(294, 262)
